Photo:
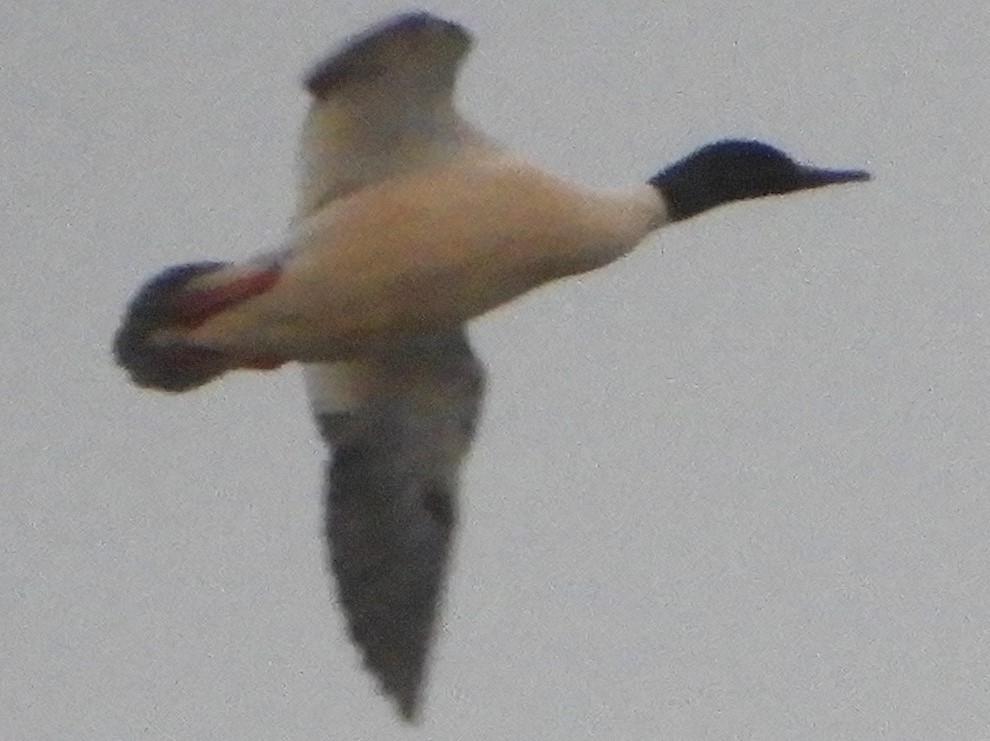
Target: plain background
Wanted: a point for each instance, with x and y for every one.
(734, 486)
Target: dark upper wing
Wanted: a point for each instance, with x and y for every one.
(411, 48)
(391, 497)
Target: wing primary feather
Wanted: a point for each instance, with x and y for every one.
(391, 505)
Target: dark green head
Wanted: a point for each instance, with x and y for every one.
(734, 170)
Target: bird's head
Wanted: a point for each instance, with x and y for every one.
(734, 170)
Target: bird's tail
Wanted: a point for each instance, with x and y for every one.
(179, 298)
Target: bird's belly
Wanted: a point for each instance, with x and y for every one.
(377, 270)
(327, 318)
(323, 309)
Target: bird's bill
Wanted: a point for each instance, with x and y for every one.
(816, 177)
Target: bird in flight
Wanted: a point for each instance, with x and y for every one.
(410, 222)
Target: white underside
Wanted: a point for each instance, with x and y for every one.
(333, 388)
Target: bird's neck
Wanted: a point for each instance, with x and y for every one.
(612, 222)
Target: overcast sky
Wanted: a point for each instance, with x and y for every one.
(734, 486)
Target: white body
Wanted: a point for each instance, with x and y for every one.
(427, 251)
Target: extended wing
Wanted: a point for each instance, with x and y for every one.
(398, 426)
(391, 502)
(383, 105)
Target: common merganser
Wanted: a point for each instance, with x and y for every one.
(410, 222)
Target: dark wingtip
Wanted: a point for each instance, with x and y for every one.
(343, 66)
(409, 709)
(154, 366)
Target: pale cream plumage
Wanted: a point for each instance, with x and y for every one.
(364, 270)
(409, 223)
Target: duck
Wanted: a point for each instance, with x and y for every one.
(410, 222)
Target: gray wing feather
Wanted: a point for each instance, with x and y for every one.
(404, 43)
(391, 504)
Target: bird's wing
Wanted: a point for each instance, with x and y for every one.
(391, 494)
(382, 105)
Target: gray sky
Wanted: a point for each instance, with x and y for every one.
(733, 487)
